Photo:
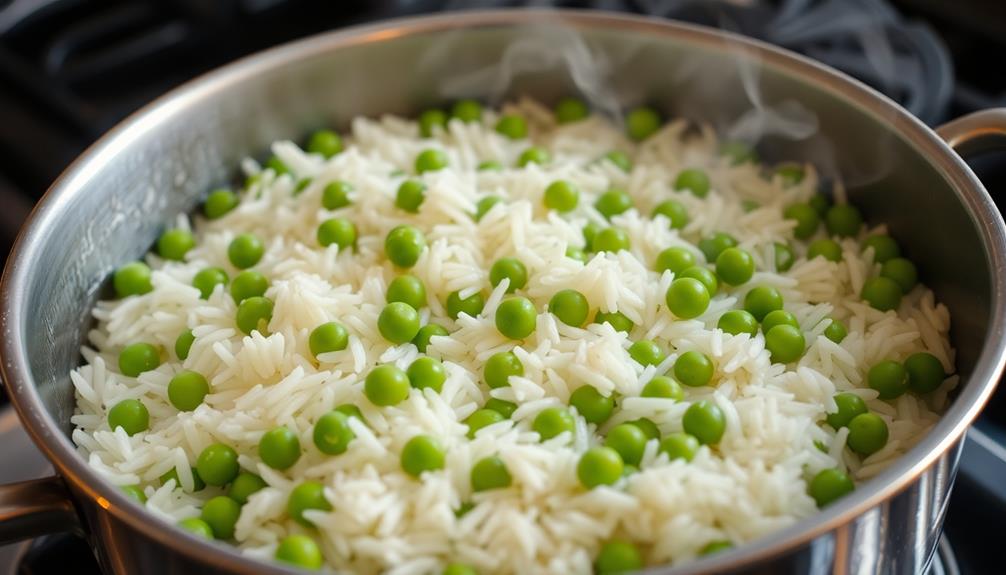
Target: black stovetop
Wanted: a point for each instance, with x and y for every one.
(71, 69)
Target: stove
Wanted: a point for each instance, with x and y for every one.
(71, 69)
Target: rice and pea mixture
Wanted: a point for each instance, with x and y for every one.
(526, 341)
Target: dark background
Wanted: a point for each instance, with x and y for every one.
(71, 69)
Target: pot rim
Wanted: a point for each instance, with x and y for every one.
(59, 449)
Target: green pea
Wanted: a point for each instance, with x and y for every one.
(902, 271)
(713, 245)
(613, 202)
(467, 111)
(820, 203)
(618, 556)
(762, 300)
(245, 250)
(784, 257)
(427, 372)
(253, 180)
(174, 244)
(749, 206)
(197, 527)
(500, 367)
(430, 121)
(790, 174)
(734, 266)
(504, 408)
(884, 247)
(248, 284)
(325, 142)
(336, 195)
(350, 410)
(300, 550)
(642, 122)
(484, 205)
(562, 196)
(785, 342)
(197, 482)
(386, 385)
(675, 259)
(778, 317)
(302, 185)
(129, 414)
(829, 485)
(889, 378)
(570, 307)
(253, 314)
(610, 240)
(277, 166)
(207, 279)
(843, 220)
(410, 195)
(827, 248)
(576, 254)
(599, 466)
(404, 245)
(426, 333)
(835, 331)
(338, 231)
(589, 232)
(569, 110)
(516, 317)
(279, 448)
(407, 289)
(221, 514)
(882, 293)
(244, 486)
(925, 372)
(217, 464)
(138, 358)
(629, 441)
(534, 155)
(309, 495)
(646, 352)
(422, 453)
(679, 446)
(398, 322)
(459, 569)
(135, 492)
(328, 337)
(867, 434)
(615, 319)
(738, 153)
(332, 433)
(620, 159)
(511, 268)
(132, 279)
(187, 389)
(552, 421)
(687, 298)
(512, 126)
(702, 274)
(490, 473)
(715, 547)
(694, 369)
(806, 219)
(849, 405)
(219, 203)
(430, 161)
(489, 166)
(693, 180)
(675, 212)
(647, 426)
(663, 387)
(738, 321)
(482, 418)
(591, 405)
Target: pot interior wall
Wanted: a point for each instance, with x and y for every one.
(121, 199)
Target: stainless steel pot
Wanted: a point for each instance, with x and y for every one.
(111, 204)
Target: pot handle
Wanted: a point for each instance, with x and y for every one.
(37, 507)
(983, 131)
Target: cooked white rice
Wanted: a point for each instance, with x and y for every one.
(383, 520)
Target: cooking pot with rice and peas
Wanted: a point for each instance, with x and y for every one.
(117, 199)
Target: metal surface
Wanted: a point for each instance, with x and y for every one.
(976, 133)
(112, 203)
